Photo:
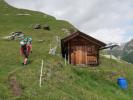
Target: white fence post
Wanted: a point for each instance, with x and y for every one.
(40, 83)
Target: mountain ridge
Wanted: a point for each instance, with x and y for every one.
(124, 51)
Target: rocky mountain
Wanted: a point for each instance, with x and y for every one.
(124, 51)
(127, 53)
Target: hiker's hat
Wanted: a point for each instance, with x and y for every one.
(22, 43)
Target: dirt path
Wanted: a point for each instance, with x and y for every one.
(15, 86)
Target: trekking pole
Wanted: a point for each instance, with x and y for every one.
(40, 83)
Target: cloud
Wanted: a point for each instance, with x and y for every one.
(107, 20)
(115, 34)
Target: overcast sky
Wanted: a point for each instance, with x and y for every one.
(106, 20)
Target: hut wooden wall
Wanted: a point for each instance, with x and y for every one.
(82, 51)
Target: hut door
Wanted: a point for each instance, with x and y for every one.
(79, 55)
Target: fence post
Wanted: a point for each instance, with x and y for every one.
(40, 83)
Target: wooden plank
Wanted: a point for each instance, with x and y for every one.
(92, 60)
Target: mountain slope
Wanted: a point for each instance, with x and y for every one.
(60, 82)
(124, 51)
(128, 52)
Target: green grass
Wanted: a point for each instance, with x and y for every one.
(60, 82)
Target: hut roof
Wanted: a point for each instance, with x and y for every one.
(85, 36)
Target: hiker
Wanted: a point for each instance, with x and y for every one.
(26, 48)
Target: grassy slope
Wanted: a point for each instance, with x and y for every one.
(59, 81)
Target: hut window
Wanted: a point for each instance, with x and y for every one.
(91, 50)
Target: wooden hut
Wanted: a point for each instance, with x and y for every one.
(81, 49)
